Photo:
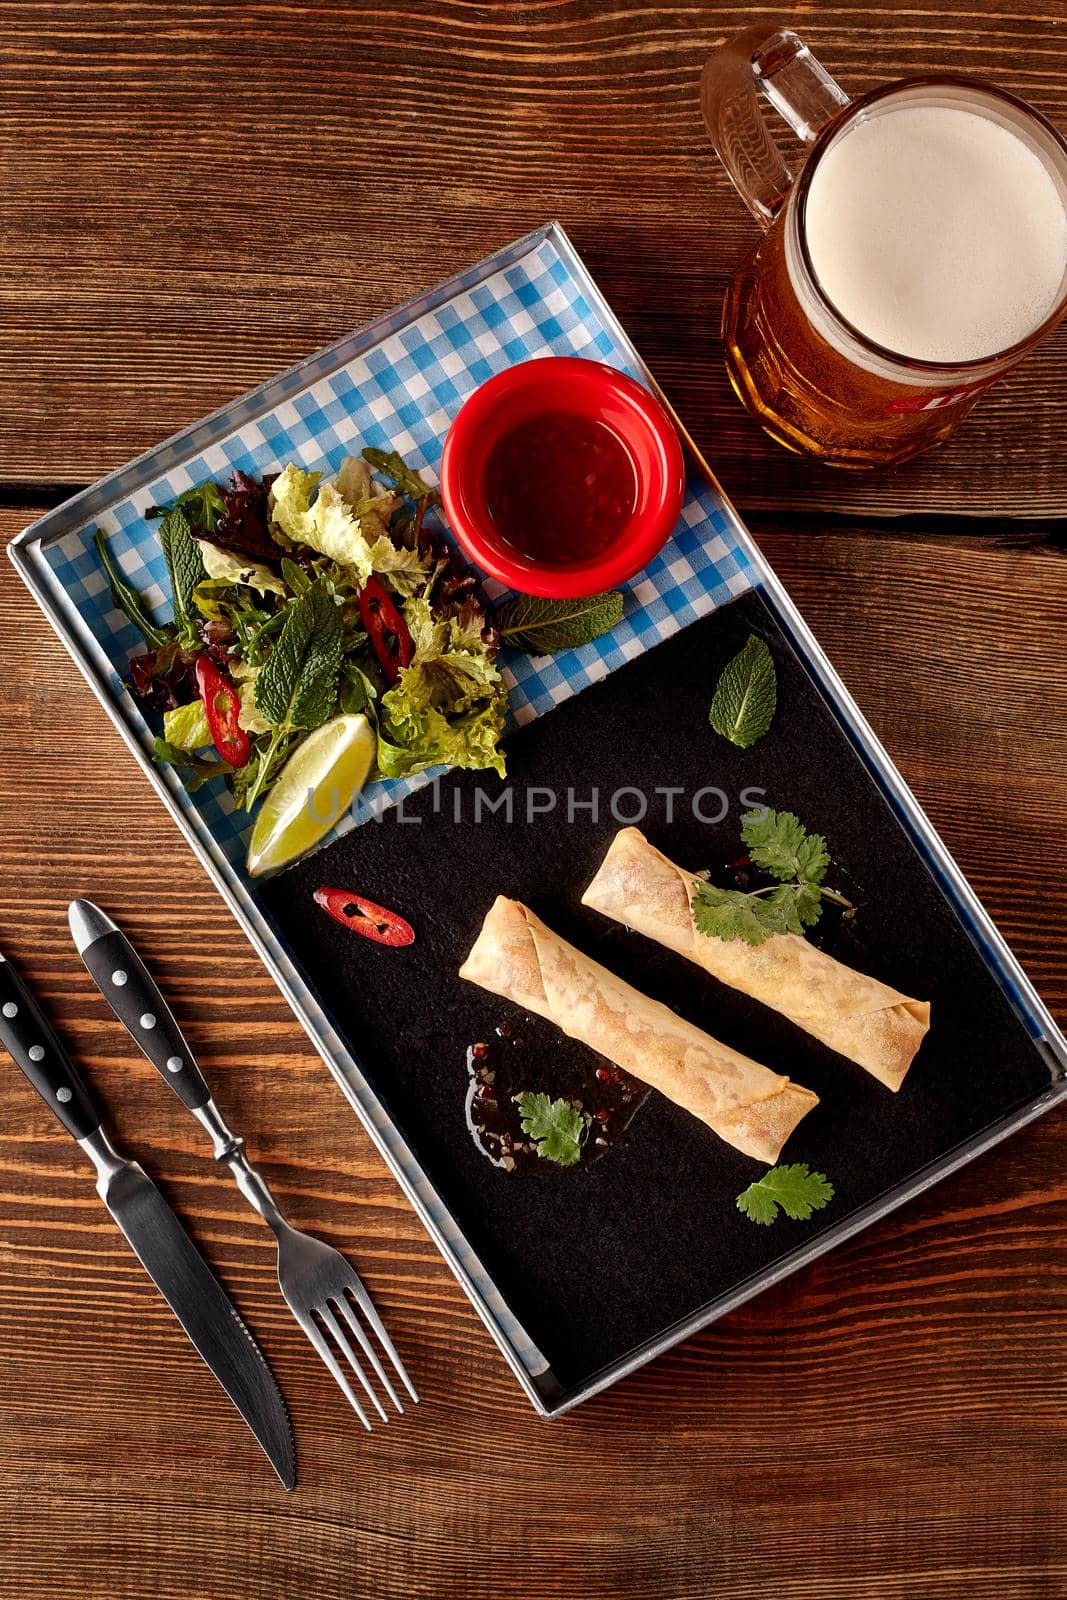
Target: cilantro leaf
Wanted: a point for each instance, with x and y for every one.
(556, 1126)
(185, 564)
(733, 914)
(297, 684)
(794, 1188)
(746, 694)
(391, 464)
(545, 626)
(779, 842)
(204, 506)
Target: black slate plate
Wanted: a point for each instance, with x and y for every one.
(598, 1261)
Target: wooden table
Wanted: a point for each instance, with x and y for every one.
(194, 196)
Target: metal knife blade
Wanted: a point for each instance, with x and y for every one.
(156, 1236)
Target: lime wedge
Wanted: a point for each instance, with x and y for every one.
(313, 791)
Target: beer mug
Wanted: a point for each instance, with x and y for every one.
(918, 255)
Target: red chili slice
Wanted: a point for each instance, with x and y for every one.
(380, 617)
(222, 709)
(363, 916)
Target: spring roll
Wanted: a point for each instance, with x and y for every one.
(516, 956)
(859, 1017)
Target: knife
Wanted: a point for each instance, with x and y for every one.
(158, 1239)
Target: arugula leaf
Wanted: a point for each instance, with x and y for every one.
(358, 692)
(798, 1191)
(127, 599)
(193, 770)
(295, 576)
(391, 464)
(779, 842)
(556, 1126)
(203, 506)
(746, 694)
(297, 685)
(545, 626)
(185, 565)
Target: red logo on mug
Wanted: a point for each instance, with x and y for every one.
(940, 397)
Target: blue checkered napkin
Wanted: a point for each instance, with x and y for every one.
(401, 393)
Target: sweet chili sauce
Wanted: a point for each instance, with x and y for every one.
(560, 487)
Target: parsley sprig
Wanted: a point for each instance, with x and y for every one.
(779, 843)
(797, 1190)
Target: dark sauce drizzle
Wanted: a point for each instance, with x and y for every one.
(500, 1071)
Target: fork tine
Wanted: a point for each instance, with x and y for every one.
(328, 1357)
(368, 1350)
(334, 1327)
(366, 1305)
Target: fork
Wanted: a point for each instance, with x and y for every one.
(318, 1285)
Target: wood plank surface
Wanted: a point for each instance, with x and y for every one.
(195, 196)
(887, 1425)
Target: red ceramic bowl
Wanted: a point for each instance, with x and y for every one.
(568, 384)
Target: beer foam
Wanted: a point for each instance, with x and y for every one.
(937, 233)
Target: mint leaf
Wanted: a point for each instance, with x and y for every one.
(127, 600)
(779, 842)
(545, 626)
(391, 464)
(556, 1126)
(185, 565)
(204, 506)
(746, 694)
(794, 1188)
(297, 684)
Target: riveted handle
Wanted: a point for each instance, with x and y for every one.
(32, 1043)
(137, 1001)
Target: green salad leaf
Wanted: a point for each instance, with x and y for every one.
(544, 626)
(555, 1125)
(204, 506)
(319, 516)
(187, 727)
(434, 740)
(193, 770)
(449, 705)
(391, 464)
(297, 685)
(185, 565)
(127, 599)
(794, 1188)
(746, 695)
(224, 567)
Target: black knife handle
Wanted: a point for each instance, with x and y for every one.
(135, 998)
(28, 1037)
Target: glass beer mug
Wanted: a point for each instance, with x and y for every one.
(920, 252)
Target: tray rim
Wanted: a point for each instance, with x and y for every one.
(545, 1395)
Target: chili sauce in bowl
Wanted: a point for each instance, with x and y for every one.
(562, 477)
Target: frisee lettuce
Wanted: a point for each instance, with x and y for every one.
(317, 515)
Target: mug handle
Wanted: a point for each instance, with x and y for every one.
(780, 66)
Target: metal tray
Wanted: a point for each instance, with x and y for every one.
(398, 383)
